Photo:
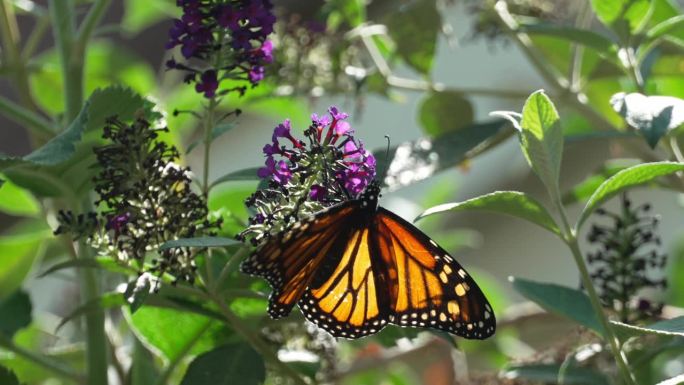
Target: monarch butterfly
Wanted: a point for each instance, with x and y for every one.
(355, 267)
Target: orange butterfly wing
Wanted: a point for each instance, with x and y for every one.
(428, 288)
(353, 269)
(289, 260)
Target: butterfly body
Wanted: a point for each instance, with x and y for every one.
(355, 267)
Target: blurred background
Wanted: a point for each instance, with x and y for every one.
(494, 74)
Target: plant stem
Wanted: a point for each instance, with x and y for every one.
(26, 117)
(45, 362)
(257, 343)
(9, 37)
(90, 21)
(63, 27)
(570, 238)
(63, 24)
(96, 339)
(208, 128)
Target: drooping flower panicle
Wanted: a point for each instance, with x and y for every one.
(627, 263)
(146, 199)
(304, 176)
(222, 39)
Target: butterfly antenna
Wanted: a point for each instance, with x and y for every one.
(387, 151)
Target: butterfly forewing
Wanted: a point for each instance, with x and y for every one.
(430, 289)
(288, 261)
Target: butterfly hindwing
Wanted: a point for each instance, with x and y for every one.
(289, 260)
(349, 297)
(428, 288)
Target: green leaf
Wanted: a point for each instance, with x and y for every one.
(630, 177)
(666, 27)
(225, 365)
(7, 377)
(20, 249)
(215, 133)
(414, 29)
(669, 327)
(106, 301)
(512, 203)
(541, 137)
(139, 15)
(622, 13)
(446, 111)
(191, 333)
(198, 242)
(15, 313)
(564, 301)
(106, 263)
(652, 116)
(107, 64)
(58, 149)
(16, 201)
(102, 104)
(590, 39)
(416, 160)
(240, 175)
(550, 374)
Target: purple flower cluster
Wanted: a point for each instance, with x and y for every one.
(228, 36)
(344, 165)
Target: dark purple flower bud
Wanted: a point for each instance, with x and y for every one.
(282, 130)
(272, 149)
(267, 170)
(317, 193)
(117, 222)
(228, 17)
(208, 84)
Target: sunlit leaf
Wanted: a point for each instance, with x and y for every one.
(139, 15)
(413, 161)
(16, 201)
(630, 177)
(593, 40)
(669, 327)
(512, 203)
(541, 137)
(20, 247)
(652, 116)
(192, 334)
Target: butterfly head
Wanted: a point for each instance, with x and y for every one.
(371, 195)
